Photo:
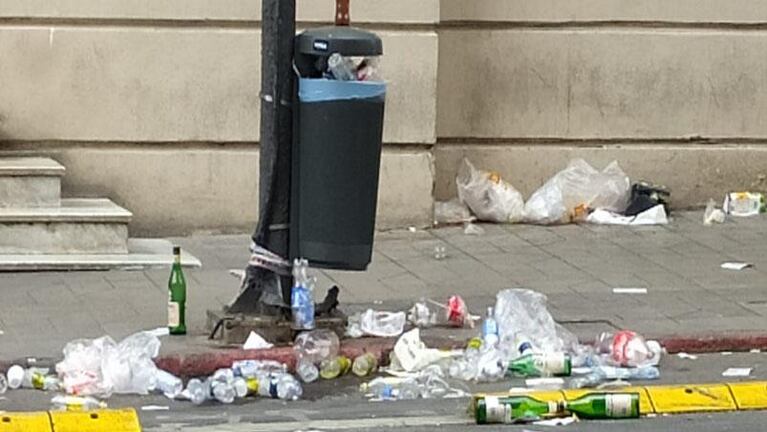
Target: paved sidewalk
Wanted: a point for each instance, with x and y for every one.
(575, 265)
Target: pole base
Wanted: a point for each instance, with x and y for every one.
(233, 329)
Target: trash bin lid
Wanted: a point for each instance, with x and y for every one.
(347, 41)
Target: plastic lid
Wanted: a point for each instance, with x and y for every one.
(347, 41)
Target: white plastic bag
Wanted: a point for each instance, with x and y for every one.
(568, 195)
(382, 324)
(453, 211)
(487, 195)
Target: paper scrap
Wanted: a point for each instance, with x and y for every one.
(629, 290)
(255, 341)
(684, 355)
(737, 372)
(545, 383)
(155, 408)
(755, 350)
(726, 353)
(561, 421)
(736, 265)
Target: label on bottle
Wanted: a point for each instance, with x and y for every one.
(618, 405)
(551, 363)
(174, 315)
(497, 412)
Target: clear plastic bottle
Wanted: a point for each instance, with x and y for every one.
(288, 388)
(307, 371)
(490, 328)
(15, 376)
(364, 365)
(77, 403)
(223, 392)
(170, 385)
(301, 296)
(341, 68)
(627, 348)
(197, 391)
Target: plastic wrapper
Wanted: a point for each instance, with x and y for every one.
(522, 314)
(712, 214)
(382, 324)
(627, 348)
(487, 195)
(100, 367)
(569, 195)
(450, 212)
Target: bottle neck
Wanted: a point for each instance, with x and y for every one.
(177, 259)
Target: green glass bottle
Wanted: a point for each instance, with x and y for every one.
(605, 406)
(177, 296)
(514, 409)
(541, 364)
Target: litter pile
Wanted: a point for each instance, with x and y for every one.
(579, 193)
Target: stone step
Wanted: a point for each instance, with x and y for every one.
(30, 182)
(78, 226)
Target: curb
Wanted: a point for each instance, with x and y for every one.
(107, 420)
(672, 399)
(205, 363)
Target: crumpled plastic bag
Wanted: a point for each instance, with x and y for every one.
(569, 195)
(413, 355)
(487, 195)
(100, 367)
(522, 315)
(450, 212)
(654, 216)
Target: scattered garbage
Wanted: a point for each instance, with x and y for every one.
(334, 367)
(560, 421)
(256, 341)
(364, 365)
(454, 313)
(440, 252)
(381, 323)
(427, 383)
(628, 349)
(602, 373)
(652, 216)
(312, 348)
(644, 196)
(568, 195)
(301, 296)
(737, 372)
(413, 355)
(452, 212)
(473, 229)
(488, 196)
(736, 265)
(712, 214)
(744, 204)
(526, 409)
(345, 68)
(77, 403)
(684, 355)
(629, 290)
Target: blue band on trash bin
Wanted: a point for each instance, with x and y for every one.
(322, 90)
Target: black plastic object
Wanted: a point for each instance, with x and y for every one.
(645, 196)
(336, 153)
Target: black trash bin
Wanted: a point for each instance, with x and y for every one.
(336, 153)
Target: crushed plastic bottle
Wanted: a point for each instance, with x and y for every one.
(391, 388)
(364, 365)
(603, 373)
(307, 371)
(627, 348)
(77, 403)
(250, 368)
(381, 323)
(428, 313)
(168, 384)
(301, 296)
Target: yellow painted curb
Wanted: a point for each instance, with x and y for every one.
(645, 403)
(674, 399)
(750, 395)
(122, 420)
(25, 422)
